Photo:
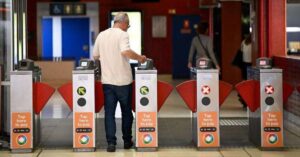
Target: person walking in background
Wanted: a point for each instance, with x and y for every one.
(203, 46)
(246, 48)
(243, 59)
(113, 50)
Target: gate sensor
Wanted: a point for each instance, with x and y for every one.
(25, 64)
(86, 64)
(148, 65)
(264, 63)
(204, 63)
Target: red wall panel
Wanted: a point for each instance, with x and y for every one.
(276, 28)
(231, 40)
(291, 70)
(271, 28)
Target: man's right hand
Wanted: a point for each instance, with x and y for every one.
(142, 59)
(189, 65)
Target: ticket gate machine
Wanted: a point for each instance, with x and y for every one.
(22, 114)
(146, 107)
(266, 122)
(205, 121)
(84, 107)
(203, 95)
(28, 97)
(84, 96)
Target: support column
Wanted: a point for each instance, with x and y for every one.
(276, 24)
(269, 28)
(231, 12)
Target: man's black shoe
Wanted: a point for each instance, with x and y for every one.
(128, 145)
(111, 148)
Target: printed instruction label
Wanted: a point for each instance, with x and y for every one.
(147, 129)
(84, 130)
(208, 131)
(272, 129)
(21, 130)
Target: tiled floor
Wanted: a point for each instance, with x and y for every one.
(187, 152)
(173, 108)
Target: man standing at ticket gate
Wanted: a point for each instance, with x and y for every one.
(113, 50)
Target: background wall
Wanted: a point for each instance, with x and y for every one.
(159, 49)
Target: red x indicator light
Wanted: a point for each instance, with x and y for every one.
(205, 90)
(269, 89)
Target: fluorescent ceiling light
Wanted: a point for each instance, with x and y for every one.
(293, 29)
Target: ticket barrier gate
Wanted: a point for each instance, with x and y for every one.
(203, 95)
(265, 93)
(28, 97)
(84, 95)
(162, 89)
(149, 95)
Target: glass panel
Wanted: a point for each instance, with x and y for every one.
(5, 37)
(5, 60)
(293, 28)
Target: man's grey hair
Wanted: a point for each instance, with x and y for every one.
(121, 17)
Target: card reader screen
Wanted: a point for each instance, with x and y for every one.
(262, 62)
(202, 63)
(23, 64)
(83, 64)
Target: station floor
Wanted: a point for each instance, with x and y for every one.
(174, 132)
(164, 152)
